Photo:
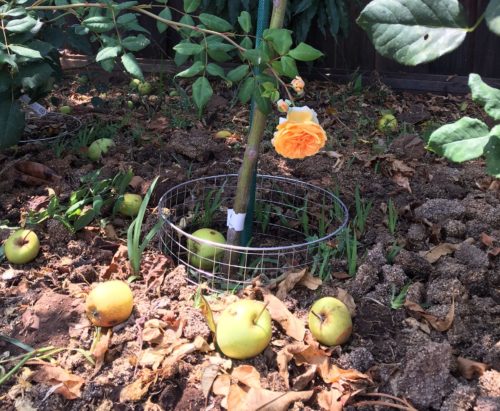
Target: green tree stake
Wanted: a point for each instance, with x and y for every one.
(262, 22)
(250, 157)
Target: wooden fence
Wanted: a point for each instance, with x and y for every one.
(480, 53)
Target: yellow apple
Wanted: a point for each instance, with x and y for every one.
(130, 205)
(144, 89)
(110, 303)
(65, 109)
(99, 147)
(134, 83)
(201, 254)
(330, 321)
(22, 246)
(387, 123)
(244, 329)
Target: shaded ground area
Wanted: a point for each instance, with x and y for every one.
(444, 247)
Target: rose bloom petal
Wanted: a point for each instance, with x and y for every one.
(297, 140)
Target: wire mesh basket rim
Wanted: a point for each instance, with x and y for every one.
(60, 135)
(323, 239)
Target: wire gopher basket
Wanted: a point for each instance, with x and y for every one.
(293, 223)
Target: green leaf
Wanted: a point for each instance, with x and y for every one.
(187, 19)
(215, 23)
(246, 90)
(9, 59)
(488, 96)
(108, 65)
(492, 153)
(246, 42)
(25, 51)
(98, 24)
(11, 121)
(281, 39)
(202, 91)
(124, 5)
(492, 16)
(34, 75)
(191, 5)
(180, 59)
(414, 31)
(263, 103)
(218, 55)
(165, 14)
(108, 53)
(188, 49)
(135, 43)
(216, 70)
(460, 141)
(245, 21)
(195, 69)
(304, 52)
(21, 25)
(84, 220)
(254, 56)
(131, 65)
(238, 73)
(288, 67)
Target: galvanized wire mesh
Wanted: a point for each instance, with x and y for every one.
(293, 221)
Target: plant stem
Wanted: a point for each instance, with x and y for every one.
(261, 311)
(251, 155)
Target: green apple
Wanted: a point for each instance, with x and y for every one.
(387, 123)
(130, 104)
(330, 321)
(201, 254)
(65, 109)
(130, 205)
(100, 147)
(244, 329)
(144, 89)
(22, 246)
(134, 83)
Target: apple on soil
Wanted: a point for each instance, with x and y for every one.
(130, 205)
(387, 123)
(110, 303)
(330, 321)
(244, 329)
(22, 246)
(201, 254)
(99, 147)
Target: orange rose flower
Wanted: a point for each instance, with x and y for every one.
(299, 135)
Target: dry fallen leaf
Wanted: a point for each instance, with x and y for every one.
(207, 313)
(235, 398)
(208, 378)
(301, 382)
(347, 299)
(487, 240)
(32, 173)
(289, 283)
(293, 326)
(311, 282)
(436, 323)
(70, 385)
(137, 389)
(221, 385)
(266, 400)
(435, 253)
(100, 350)
(246, 375)
(471, 369)
(330, 400)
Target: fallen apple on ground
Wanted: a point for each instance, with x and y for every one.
(387, 123)
(330, 321)
(130, 205)
(65, 109)
(244, 329)
(22, 246)
(144, 89)
(110, 303)
(99, 147)
(134, 83)
(202, 255)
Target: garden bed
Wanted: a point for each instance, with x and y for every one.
(444, 246)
